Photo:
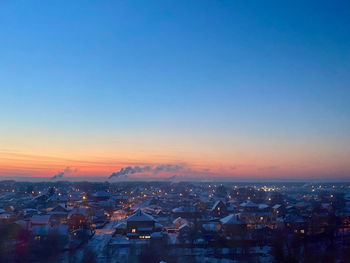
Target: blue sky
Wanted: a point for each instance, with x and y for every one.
(222, 73)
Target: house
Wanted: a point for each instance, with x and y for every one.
(140, 225)
(78, 218)
(231, 206)
(276, 209)
(59, 214)
(179, 222)
(294, 223)
(74, 196)
(263, 207)
(120, 229)
(58, 198)
(218, 209)
(40, 199)
(100, 218)
(249, 206)
(184, 231)
(61, 208)
(233, 225)
(101, 196)
(120, 199)
(186, 212)
(162, 217)
(29, 212)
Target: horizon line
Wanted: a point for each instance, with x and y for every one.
(176, 180)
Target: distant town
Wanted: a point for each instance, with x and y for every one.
(174, 222)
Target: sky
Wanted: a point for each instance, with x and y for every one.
(202, 89)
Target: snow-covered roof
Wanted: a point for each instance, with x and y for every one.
(180, 220)
(61, 206)
(347, 196)
(216, 204)
(40, 196)
(101, 194)
(178, 209)
(182, 209)
(248, 204)
(276, 206)
(158, 225)
(184, 226)
(56, 197)
(232, 219)
(75, 196)
(139, 215)
(263, 206)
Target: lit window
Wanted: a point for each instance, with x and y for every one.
(133, 230)
(218, 208)
(302, 231)
(147, 237)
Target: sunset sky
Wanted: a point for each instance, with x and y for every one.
(229, 89)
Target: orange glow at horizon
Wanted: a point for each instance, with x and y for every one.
(15, 164)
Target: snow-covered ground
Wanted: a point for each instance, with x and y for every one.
(109, 249)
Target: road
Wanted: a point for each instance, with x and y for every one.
(99, 240)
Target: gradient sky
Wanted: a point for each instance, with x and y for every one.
(221, 88)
